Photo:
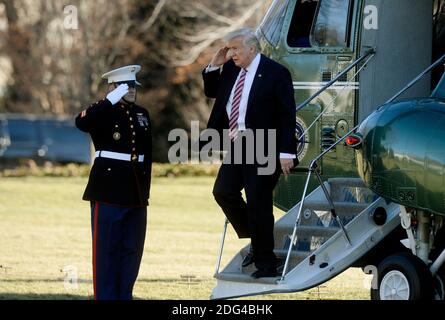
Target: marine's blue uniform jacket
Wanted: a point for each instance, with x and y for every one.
(125, 129)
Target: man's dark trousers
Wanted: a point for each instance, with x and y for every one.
(255, 218)
(118, 244)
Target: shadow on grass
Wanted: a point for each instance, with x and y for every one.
(52, 297)
(55, 280)
(183, 279)
(23, 296)
(42, 297)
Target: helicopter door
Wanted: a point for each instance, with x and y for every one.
(321, 44)
(318, 40)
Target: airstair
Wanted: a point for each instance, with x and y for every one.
(321, 249)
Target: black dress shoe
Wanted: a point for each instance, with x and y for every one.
(264, 274)
(248, 260)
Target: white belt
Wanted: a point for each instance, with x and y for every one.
(117, 156)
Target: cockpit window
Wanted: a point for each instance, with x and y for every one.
(330, 28)
(272, 24)
(302, 19)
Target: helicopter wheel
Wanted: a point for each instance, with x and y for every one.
(403, 276)
(439, 290)
(439, 285)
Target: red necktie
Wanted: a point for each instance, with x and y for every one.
(233, 122)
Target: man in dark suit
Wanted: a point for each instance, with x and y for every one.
(119, 184)
(252, 92)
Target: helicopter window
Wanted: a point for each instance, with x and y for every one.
(330, 28)
(273, 22)
(301, 24)
(439, 22)
(438, 7)
(439, 30)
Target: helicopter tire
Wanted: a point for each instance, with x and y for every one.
(403, 276)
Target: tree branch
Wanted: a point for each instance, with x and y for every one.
(213, 14)
(194, 53)
(154, 16)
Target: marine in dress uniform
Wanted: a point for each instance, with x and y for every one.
(119, 184)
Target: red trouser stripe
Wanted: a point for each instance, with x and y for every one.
(96, 219)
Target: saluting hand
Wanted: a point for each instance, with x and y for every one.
(117, 94)
(220, 57)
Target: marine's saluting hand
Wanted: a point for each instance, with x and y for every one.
(117, 94)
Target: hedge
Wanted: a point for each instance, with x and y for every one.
(75, 170)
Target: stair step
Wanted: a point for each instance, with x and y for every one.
(308, 230)
(318, 213)
(308, 237)
(347, 182)
(245, 275)
(282, 254)
(352, 190)
(246, 278)
(340, 207)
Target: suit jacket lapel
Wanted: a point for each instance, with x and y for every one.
(229, 83)
(256, 84)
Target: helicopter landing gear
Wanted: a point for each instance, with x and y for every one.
(403, 276)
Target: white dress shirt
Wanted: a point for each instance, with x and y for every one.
(250, 77)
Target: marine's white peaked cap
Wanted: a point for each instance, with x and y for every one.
(127, 73)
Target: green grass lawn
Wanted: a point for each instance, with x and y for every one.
(45, 227)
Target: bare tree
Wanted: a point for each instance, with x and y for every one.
(58, 71)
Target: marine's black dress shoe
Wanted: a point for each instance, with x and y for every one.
(248, 260)
(270, 273)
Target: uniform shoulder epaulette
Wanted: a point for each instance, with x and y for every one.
(94, 104)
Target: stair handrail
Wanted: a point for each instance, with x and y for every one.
(309, 170)
(338, 94)
(370, 51)
(221, 248)
(417, 79)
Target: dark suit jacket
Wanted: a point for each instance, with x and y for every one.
(271, 102)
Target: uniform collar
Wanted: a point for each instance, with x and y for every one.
(126, 106)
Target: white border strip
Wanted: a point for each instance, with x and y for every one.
(319, 85)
